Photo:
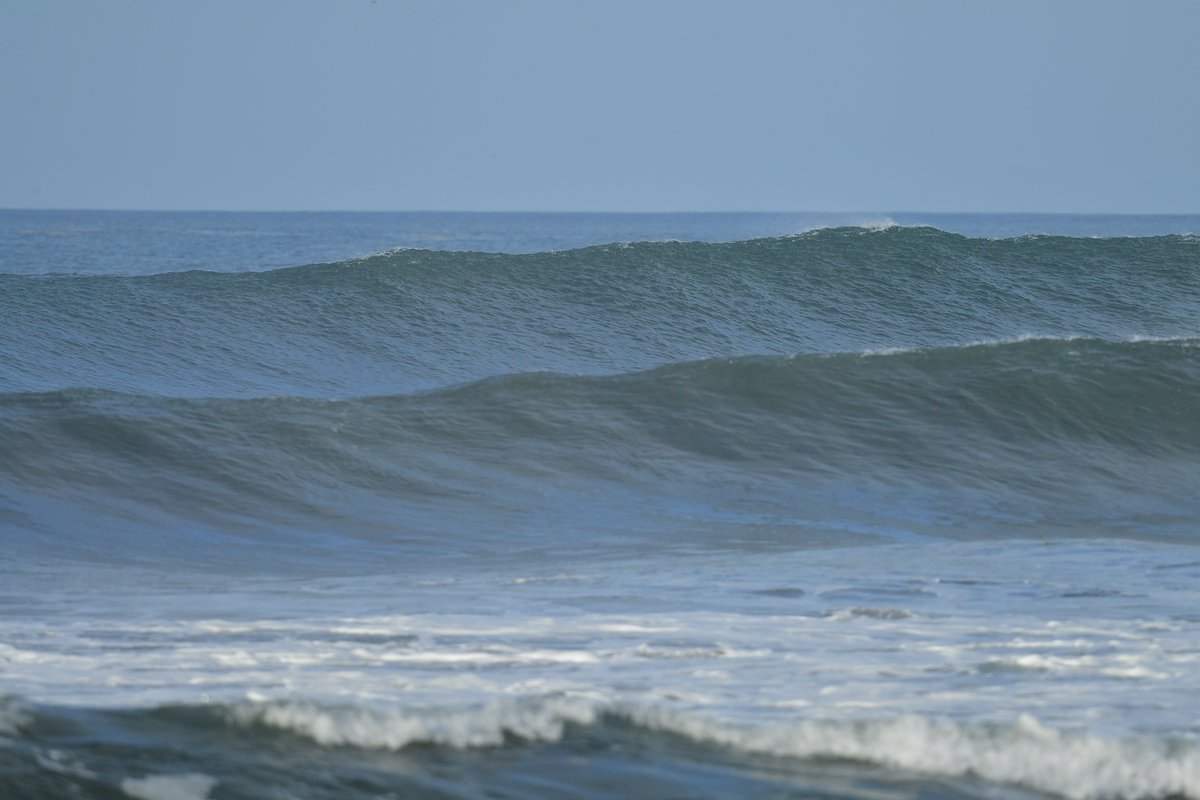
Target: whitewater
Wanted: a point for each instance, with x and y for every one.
(488, 505)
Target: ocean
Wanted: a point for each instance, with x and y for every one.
(450, 505)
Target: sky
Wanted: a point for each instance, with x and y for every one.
(566, 105)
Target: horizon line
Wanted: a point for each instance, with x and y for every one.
(586, 211)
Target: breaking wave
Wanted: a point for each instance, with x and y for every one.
(1021, 752)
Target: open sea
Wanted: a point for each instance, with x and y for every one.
(343, 506)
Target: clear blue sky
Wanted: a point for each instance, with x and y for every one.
(622, 106)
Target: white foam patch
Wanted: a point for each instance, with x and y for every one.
(863, 224)
(541, 720)
(844, 614)
(481, 659)
(190, 786)
(1025, 753)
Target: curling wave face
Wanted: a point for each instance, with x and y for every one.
(1025, 438)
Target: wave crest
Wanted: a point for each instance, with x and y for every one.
(360, 726)
(1022, 752)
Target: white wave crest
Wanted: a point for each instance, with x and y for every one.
(877, 224)
(1025, 753)
(541, 720)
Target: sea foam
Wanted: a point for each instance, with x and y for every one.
(191, 786)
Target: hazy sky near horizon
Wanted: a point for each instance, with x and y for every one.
(1064, 106)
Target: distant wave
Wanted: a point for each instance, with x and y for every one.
(881, 232)
(1062, 425)
(417, 319)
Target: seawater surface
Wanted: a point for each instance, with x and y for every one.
(491, 505)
